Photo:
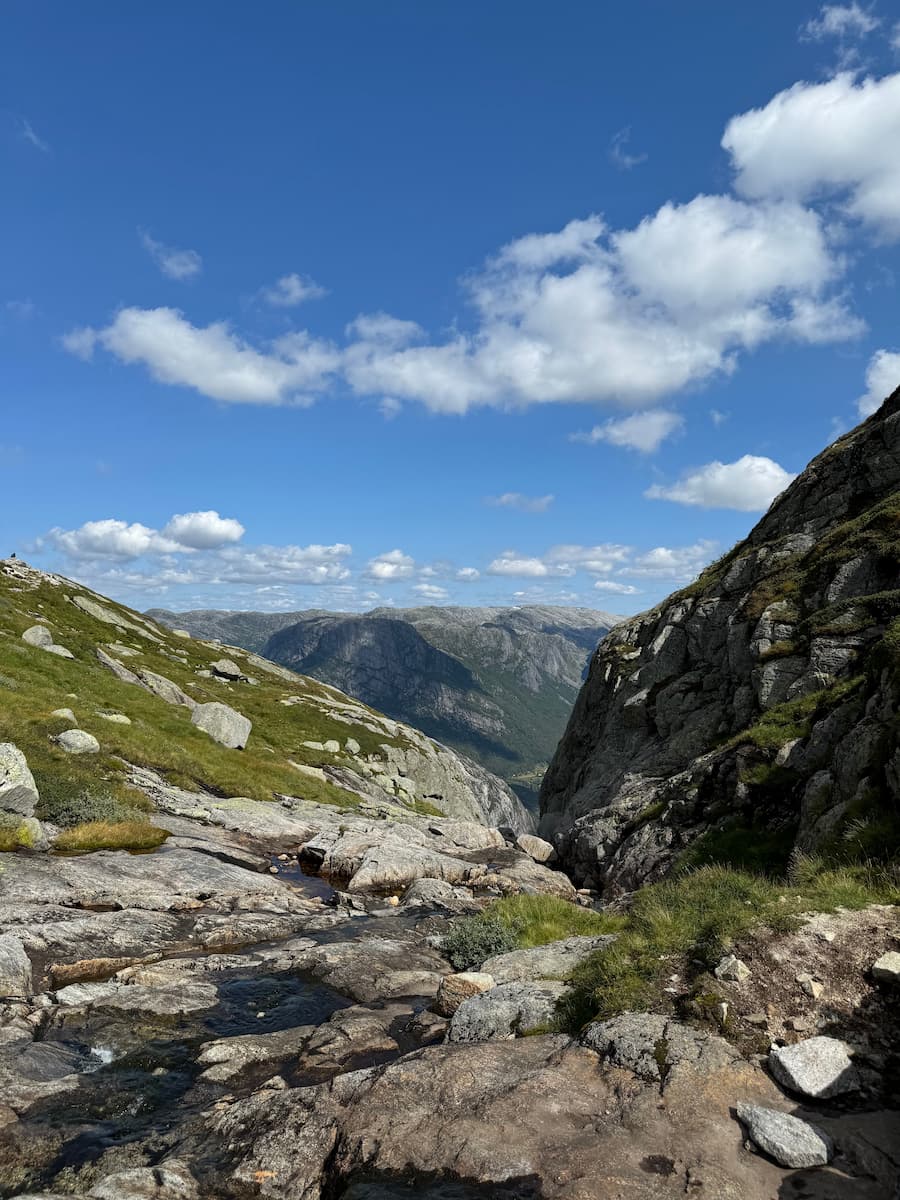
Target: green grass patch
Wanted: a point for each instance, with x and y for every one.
(689, 922)
(780, 649)
(110, 835)
(519, 923)
(794, 719)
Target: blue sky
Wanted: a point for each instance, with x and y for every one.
(346, 304)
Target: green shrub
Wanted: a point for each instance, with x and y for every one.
(474, 939)
(68, 808)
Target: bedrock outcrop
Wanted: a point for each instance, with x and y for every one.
(761, 698)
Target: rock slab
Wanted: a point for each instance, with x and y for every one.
(790, 1141)
(819, 1067)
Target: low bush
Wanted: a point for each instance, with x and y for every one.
(517, 923)
(474, 939)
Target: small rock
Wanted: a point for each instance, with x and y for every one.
(65, 714)
(331, 746)
(456, 988)
(757, 1018)
(732, 970)
(77, 741)
(800, 1024)
(352, 746)
(887, 968)
(790, 1141)
(811, 986)
(115, 718)
(819, 1067)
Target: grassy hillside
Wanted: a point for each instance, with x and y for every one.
(35, 683)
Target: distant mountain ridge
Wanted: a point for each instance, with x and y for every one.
(495, 683)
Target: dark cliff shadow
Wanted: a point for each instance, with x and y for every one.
(413, 1185)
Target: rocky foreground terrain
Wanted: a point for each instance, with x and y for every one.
(496, 684)
(257, 939)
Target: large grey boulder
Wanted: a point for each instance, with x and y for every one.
(790, 1141)
(536, 847)
(15, 968)
(555, 960)
(508, 1011)
(77, 741)
(227, 668)
(223, 724)
(18, 791)
(41, 637)
(819, 1067)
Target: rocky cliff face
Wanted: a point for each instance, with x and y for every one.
(754, 711)
(496, 684)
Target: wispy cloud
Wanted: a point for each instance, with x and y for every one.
(516, 500)
(841, 21)
(29, 134)
(174, 263)
(618, 152)
(291, 290)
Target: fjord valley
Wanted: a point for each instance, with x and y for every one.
(496, 684)
(450, 601)
(257, 938)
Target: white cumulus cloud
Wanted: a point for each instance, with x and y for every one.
(524, 567)
(393, 564)
(212, 360)
(174, 263)
(825, 139)
(644, 431)
(748, 485)
(882, 378)
(430, 591)
(203, 530)
(110, 538)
